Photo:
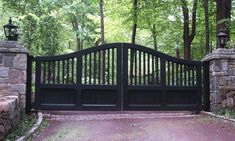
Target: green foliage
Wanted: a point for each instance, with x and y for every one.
(227, 112)
(26, 123)
(49, 36)
(51, 26)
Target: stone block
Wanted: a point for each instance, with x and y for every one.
(16, 76)
(3, 80)
(19, 88)
(4, 72)
(1, 59)
(20, 61)
(4, 90)
(230, 102)
(223, 104)
(8, 61)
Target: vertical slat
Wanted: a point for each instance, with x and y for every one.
(63, 69)
(173, 73)
(189, 75)
(131, 66)
(185, 75)
(140, 83)
(157, 69)
(58, 72)
(90, 75)
(44, 71)
(153, 74)
(95, 68)
(193, 73)
(85, 68)
(135, 51)
(99, 68)
(181, 75)
(54, 70)
(177, 74)
(103, 68)
(148, 68)
(72, 70)
(49, 72)
(113, 66)
(108, 69)
(67, 71)
(169, 72)
(144, 73)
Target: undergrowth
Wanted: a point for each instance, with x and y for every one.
(225, 112)
(26, 122)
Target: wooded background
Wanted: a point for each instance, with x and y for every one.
(182, 28)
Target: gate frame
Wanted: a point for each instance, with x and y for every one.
(122, 81)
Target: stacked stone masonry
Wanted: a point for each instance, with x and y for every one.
(9, 114)
(13, 66)
(222, 78)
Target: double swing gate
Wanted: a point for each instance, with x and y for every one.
(118, 76)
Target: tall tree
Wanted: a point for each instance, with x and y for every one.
(207, 28)
(187, 36)
(154, 34)
(134, 21)
(102, 21)
(223, 15)
(75, 25)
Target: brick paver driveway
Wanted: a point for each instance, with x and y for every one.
(135, 126)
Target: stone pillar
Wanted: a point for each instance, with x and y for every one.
(13, 66)
(222, 78)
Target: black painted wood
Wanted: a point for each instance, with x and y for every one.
(118, 76)
(29, 80)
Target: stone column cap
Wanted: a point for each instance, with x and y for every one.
(12, 47)
(220, 53)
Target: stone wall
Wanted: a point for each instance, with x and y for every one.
(222, 78)
(9, 114)
(13, 66)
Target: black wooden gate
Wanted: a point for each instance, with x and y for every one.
(118, 76)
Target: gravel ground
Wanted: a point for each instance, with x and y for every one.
(135, 126)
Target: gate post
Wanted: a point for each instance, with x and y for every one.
(222, 79)
(13, 66)
(206, 86)
(29, 84)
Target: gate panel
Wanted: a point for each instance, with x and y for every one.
(101, 74)
(85, 80)
(153, 80)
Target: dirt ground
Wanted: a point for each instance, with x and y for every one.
(135, 126)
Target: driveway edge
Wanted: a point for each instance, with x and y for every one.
(33, 129)
(218, 116)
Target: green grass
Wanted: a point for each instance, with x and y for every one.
(26, 122)
(43, 125)
(225, 112)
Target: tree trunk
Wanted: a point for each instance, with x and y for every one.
(134, 21)
(75, 24)
(154, 34)
(102, 21)
(187, 37)
(177, 53)
(78, 42)
(223, 11)
(207, 30)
